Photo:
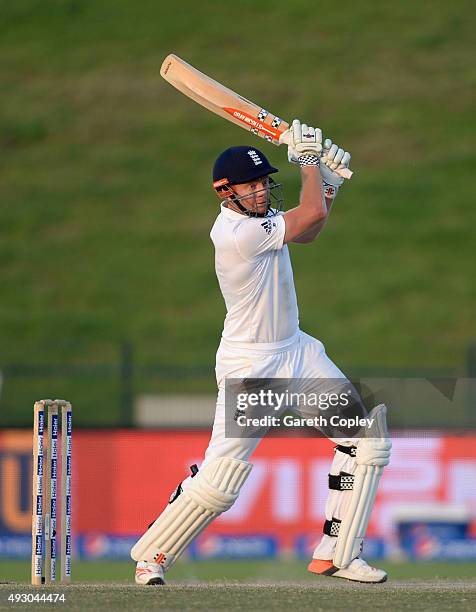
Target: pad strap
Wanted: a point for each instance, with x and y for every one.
(331, 528)
(179, 489)
(348, 450)
(342, 482)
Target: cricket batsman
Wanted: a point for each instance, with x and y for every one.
(261, 339)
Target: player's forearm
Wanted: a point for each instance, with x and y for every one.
(311, 234)
(311, 209)
(312, 202)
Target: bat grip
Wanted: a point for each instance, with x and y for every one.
(286, 139)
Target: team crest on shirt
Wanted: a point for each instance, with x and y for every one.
(268, 226)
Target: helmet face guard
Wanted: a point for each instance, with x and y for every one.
(274, 200)
(249, 204)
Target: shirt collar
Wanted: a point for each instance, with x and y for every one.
(232, 214)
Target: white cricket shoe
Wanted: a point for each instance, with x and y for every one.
(357, 570)
(149, 573)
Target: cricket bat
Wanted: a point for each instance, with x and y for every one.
(228, 104)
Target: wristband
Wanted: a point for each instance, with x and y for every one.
(308, 160)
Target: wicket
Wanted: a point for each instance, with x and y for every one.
(45, 491)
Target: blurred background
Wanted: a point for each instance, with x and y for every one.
(108, 292)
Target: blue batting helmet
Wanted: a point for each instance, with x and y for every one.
(240, 165)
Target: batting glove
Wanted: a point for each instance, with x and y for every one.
(332, 158)
(306, 144)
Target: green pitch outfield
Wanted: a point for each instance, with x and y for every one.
(237, 585)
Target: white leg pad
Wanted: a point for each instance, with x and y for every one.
(373, 453)
(354, 525)
(212, 491)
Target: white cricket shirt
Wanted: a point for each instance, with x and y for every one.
(256, 278)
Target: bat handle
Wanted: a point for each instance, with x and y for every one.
(286, 138)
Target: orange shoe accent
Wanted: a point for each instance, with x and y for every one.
(320, 566)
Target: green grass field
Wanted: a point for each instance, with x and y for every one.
(105, 191)
(267, 585)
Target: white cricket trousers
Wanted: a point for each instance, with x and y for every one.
(301, 357)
